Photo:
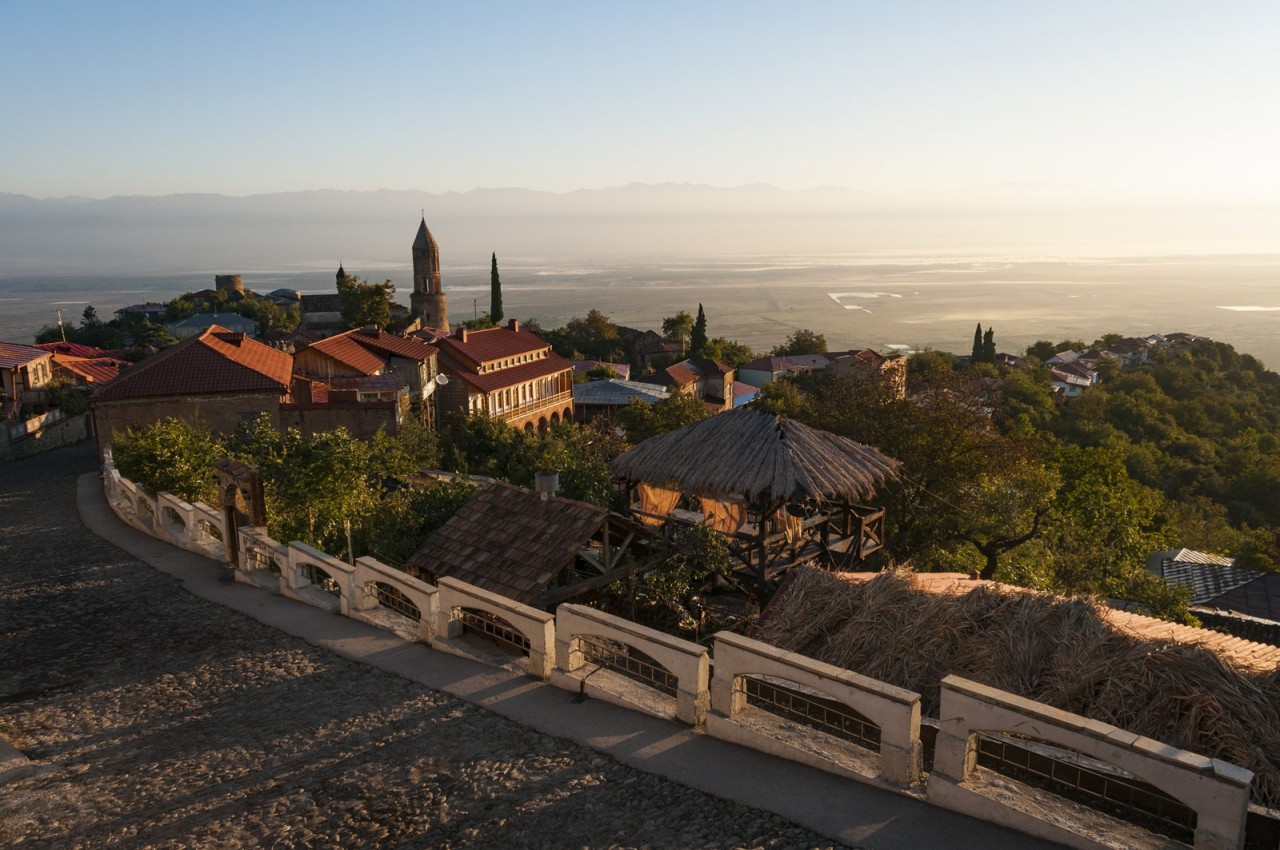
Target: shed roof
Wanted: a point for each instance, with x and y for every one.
(757, 455)
(509, 540)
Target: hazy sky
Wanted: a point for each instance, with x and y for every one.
(1099, 100)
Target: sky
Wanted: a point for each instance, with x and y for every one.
(970, 101)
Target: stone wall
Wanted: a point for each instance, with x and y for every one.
(221, 413)
(55, 435)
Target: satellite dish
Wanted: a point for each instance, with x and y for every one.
(442, 379)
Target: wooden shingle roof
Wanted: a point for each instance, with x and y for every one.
(509, 540)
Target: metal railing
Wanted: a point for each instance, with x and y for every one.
(320, 578)
(629, 662)
(558, 401)
(257, 558)
(392, 598)
(495, 629)
(1123, 797)
(825, 715)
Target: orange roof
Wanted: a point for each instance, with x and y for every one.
(410, 348)
(489, 344)
(501, 378)
(93, 370)
(214, 361)
(347, 351)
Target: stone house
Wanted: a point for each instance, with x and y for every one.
(368, 352)
(709, 380)
(218, 377)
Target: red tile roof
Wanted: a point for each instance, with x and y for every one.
(552, 364)
(409, 348)
(214, 361)
(14, 354)
(491, 344)
(73, 349)
(346, 350)
(93, 370)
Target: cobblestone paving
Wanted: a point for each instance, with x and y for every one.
(161, 720)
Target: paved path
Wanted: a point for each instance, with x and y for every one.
(196, 713)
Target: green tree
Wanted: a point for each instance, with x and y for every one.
(976, 355)
(698, 335)
(803, 341)
(679, 326)
(1042, 350)
(172, 455)
(989, 346)
(728, 352)
(592, 337)
(365, 303)
(641, 421)
(408, 516)
(495, 292)
(1005, 508)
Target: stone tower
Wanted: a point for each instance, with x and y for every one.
(229, 283)
(427, 300)
(341, 275)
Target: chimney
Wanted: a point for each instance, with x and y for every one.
(513, 325)
(462, 334)
(546, 483)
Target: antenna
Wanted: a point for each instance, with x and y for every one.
(60, 325)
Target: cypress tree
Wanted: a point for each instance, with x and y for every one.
(495, 293)
(976, 356)
(989, 346)
(698, 339)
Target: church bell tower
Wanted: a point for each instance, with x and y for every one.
(427, 300)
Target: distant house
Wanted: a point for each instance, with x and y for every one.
(1010, 361)
(505, 372)
(24, 371)
(1069, 381)
(83, 365)
(762, 370)
(150, 311)
(709, 380)
(201, 322)
(744, 393)
(607, 397)
(321, 313)
(869, 363)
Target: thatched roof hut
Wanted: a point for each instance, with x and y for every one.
(760, 456)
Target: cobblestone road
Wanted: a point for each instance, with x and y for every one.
(160, 720)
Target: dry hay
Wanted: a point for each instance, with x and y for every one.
(1055, 650)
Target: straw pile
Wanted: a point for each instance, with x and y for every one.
(1059, 651)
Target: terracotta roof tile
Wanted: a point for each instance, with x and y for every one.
(215, 361)
(491, 344)
(346, 350)
(552, 364)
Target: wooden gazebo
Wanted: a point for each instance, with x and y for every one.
(782, 493)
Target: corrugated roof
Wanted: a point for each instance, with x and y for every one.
(14, 354)
(508, 540)
(616, 391)
(214, 361)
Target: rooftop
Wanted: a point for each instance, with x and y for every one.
(214, 361)
(15, 354)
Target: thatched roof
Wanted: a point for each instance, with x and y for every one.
(757, 455)
(509, 540)
(1193, 688)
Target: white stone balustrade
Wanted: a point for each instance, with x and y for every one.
(371, 572)
(685, 660)
(895, 710)
(537, 626)
(178, 529)
(1217, 791)
(298, 585)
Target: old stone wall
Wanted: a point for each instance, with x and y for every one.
(221, 413)
(361, 419)
(63, 432)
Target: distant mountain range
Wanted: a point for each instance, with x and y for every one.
(373, 229)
